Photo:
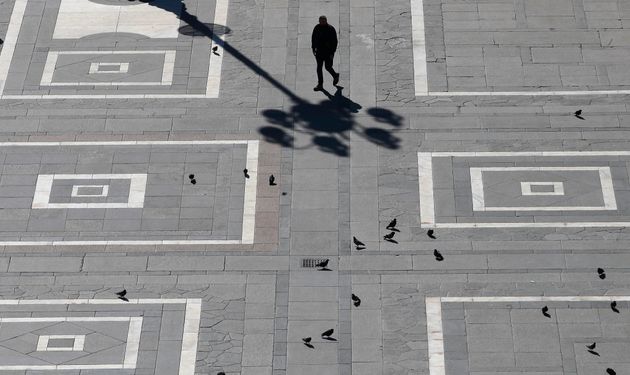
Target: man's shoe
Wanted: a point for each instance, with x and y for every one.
(318, 88)
(336, 80)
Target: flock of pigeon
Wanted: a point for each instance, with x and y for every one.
(390, 238)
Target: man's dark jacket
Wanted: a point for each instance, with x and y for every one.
(324, 40)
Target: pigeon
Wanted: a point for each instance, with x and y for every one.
(307, 342)
(613, 306)
(121, 295)
(430, 234)
(214, 50)
(221, 373)
(592, 346)
(391, 225)
(327, 333)
(272, 180)
(578, 114)
(322, 264)
(1, 41)
(389, 236)
(193, 181)
(438, 256)
(545, 311)
(191, 176)
(245, 173)
(356, 300)
(610, 371)
(601, 273)
(360, 245)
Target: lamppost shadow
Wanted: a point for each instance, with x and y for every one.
(328, 123)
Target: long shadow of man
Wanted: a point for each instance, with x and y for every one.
(327, 122)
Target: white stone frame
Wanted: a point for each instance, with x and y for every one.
(427, 202)
(418, 40)
(605, 177)
(43, 188)
(214, 67)
(53, 56)
(95, 68)
(435, 330)
(131, 347)
(75, 191)
(77, 345)
(526, 187)
(190, 337)
(249, 197)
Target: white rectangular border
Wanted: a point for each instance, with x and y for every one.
(435, 333)
(189, 340)
(605, 177)
(13, 32)
(427, 202)
(131, 347)
(53, 56)
(75, 191)
(526, 187)
(421, 84)
(77, 345)
(43, 188)
(95, 68)
(249, 205)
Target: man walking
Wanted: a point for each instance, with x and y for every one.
(324, 45)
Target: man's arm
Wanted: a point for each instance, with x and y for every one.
(314, 40)
(334, 39)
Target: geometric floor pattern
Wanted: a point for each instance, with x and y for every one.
(90, 193)
(109, 336)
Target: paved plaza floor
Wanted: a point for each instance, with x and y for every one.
(176, 150)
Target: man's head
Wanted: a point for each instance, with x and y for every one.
(323, 20)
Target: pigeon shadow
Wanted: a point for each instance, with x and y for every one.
(359, 248)
(309, 346)
(329, 338)
(328, 123)
(392, 241)
(393, 229)
(324, 269)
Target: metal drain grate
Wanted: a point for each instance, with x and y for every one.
(311, 262)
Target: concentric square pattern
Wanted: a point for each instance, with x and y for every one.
(524, 189)
(151, 336)
(128, 192)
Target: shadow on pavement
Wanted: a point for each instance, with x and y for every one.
(329, 122)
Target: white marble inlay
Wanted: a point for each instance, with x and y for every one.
(476, 183)
(77, 345)
(95, 68)
(53, 57)
(43, 188)
(427, 200)
(76, 193)
(79, 18)
(557, 187)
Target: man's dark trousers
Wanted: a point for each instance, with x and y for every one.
(327, 61)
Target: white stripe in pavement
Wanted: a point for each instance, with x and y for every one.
(10, 41)
(419, 51)
(523, 93)
(214, 68)
(425, 178)
(249, 198)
